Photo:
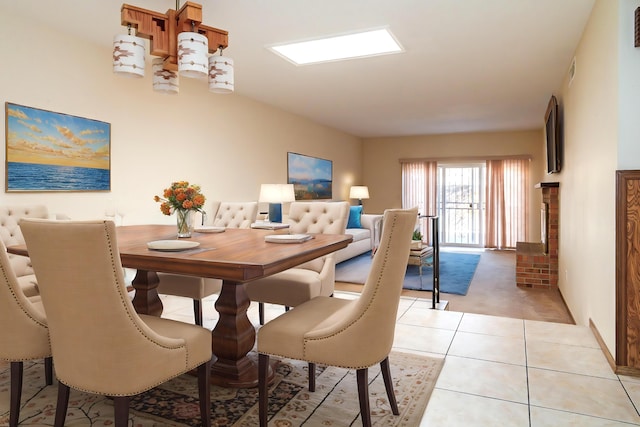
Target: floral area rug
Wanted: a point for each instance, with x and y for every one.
(334, 403)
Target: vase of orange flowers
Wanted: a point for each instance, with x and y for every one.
(182, 199)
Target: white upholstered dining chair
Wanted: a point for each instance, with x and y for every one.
(99, 343)
(352, 334)
(315, 278)
(24, 334)
(228, 215)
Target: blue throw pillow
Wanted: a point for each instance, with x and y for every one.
(354, 217)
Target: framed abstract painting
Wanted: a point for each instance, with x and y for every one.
(47, 151)
(312, 177)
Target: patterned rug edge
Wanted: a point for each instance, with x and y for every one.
(335, 402)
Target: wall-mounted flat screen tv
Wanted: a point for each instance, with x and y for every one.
(553, 135)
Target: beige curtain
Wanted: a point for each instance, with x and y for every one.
(419, 188)
(507, 203)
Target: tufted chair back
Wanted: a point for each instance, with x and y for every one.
(322, 218)
(10, 217)
(10, 232)
(236, 214)
(318, 217)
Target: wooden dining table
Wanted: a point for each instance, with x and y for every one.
(236, 256)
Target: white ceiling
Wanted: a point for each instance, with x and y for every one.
(468, 65)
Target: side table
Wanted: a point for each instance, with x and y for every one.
(421, 256)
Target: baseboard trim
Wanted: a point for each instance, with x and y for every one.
(566, 306)
(618, 370)
(603, 347)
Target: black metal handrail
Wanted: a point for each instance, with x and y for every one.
(435, 233)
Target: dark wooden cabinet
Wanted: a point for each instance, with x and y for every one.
(627, 357)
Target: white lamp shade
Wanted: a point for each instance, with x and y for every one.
(192, 55)
(164, 81)
(220, 74)
(277, 193)
(359, 192)
(128, 56)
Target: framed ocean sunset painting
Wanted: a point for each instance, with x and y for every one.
(47, 151)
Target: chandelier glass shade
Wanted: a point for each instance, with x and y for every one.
(164, 81)
(128, 56)
(220, 74)
(192, 55)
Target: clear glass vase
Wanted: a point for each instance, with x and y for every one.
(185, 222)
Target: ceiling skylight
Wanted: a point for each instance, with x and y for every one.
(336, 48)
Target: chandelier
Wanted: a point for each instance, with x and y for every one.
(181, 44)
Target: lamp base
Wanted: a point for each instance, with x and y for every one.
(275, 212)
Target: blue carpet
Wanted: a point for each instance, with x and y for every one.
(456, 271)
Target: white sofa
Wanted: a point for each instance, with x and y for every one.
(10, 234)
(364, 239)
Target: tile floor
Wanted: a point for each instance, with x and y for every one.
(498, 371)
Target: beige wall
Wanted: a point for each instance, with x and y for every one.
(383, 175)
(226, 143)
(587, 180)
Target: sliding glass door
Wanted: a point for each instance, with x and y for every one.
(461, 203)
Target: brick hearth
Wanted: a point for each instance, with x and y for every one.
(537, 263)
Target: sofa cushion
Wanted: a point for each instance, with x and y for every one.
(355, 212)
(359, 233)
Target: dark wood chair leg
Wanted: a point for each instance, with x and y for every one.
(363, 396)
(16, 392)
(263, 389)
(312, 376)
(261, 312)
(197, 311)
(48, 370)
(61, 406)
(121, 410)
(204, 393)
(388, 385)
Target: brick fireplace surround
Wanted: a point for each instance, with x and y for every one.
(537, 263)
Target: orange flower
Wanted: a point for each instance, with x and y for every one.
(181, 196)
(165, 208)
(198, 199)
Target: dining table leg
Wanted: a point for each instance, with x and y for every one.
(233, 337)
(146, 299)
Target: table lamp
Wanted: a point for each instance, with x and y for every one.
(275, 195)
(359, 192)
